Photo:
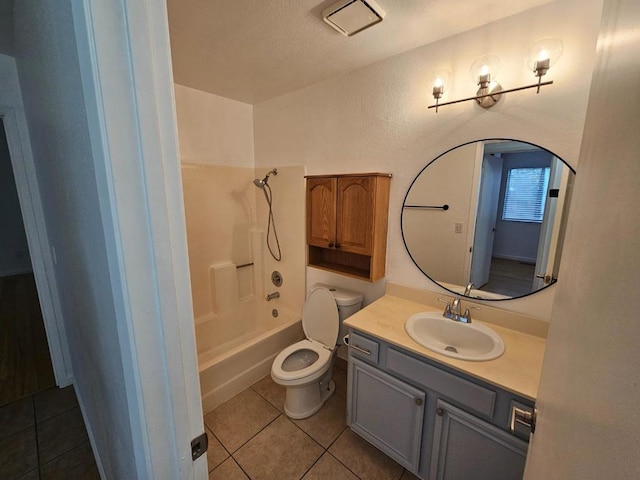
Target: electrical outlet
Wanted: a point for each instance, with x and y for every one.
(458, 227)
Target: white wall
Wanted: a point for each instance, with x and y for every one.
(218, 132)
(14, 251)
(212, 129)
(376, 118)
(430, 234)
(589, 421)
(48, 67)
(6, 27)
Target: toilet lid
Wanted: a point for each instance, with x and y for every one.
(320, 319)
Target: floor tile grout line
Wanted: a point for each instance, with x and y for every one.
(264, 398)
(221, 444)
(53, 416)
(343, 464)
(252, 436)
(35, 427)
(240, 467)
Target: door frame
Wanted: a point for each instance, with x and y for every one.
(42, 261)
(127, 83)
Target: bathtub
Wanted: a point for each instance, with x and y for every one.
(236, 348)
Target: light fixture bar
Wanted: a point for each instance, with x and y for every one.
(479, 97)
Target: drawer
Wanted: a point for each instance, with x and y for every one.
(467, 393)
(363, 347)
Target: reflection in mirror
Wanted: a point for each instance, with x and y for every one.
(491, 213)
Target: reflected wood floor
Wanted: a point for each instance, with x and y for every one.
(25, 362)
(510, 277)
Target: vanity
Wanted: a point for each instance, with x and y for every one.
(440, 417)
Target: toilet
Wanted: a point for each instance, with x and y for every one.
(306, 367)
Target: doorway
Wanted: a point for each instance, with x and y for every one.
(25, 359)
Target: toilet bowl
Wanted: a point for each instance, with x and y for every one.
(305, 367)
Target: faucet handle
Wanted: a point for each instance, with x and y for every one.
(447, 309)
(467, 313)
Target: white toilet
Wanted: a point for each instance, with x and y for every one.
(305, 367)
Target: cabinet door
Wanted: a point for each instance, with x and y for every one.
(356, 205)
(321, 211)
(466, 447)
(387, 413)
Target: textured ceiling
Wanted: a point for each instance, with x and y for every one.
(253, 50)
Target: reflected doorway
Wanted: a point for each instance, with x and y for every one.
(25, 360)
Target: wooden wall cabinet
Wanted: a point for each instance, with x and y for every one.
(347, 218)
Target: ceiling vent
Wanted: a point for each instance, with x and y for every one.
(352, 16)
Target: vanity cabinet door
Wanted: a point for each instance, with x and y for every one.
(321, 211)
(386, 412)
(466, 447)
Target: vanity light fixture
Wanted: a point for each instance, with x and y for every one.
(440, 82)
(543, 54)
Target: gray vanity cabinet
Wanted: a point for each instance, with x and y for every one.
(387, 412)
(437, 422)
(466, 447)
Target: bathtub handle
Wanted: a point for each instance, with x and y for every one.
(361, 350)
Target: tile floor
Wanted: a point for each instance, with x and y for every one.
(43, 437)
(251, 438)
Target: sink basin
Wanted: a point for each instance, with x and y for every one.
(465, 341)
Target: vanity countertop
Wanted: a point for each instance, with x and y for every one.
(517, 370)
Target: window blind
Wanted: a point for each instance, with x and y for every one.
(525, 194)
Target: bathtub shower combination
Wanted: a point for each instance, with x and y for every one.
(237, 348)
(238, 332)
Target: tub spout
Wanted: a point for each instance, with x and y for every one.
(273, 295)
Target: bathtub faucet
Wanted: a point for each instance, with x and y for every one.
(273, 295)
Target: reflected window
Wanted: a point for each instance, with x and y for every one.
(525, 194)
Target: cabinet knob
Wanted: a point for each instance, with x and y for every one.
(418, 401)
(337, 245)
(330, 244)
(440, 412)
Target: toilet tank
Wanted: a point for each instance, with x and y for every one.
(348, 302)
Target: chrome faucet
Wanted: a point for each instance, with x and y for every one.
(273, 295)
(455, 309)
(452, 310)
(467, 290)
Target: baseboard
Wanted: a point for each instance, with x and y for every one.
(92, 441)
(235, 385)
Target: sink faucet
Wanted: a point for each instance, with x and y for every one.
(273, 295)
(455, 309)
(452, 310)
(468, 288)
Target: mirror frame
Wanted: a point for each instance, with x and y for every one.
(404, 201)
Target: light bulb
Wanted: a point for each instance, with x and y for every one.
(484, 70)
(543, 55)
(440, 82)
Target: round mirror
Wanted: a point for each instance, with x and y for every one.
(487, 219)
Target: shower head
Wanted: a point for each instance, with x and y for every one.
(262, 183)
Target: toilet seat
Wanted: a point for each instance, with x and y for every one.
(321, 323)
(316, 367)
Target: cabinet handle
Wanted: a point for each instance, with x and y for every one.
(440, 412)
(418, 401)
(361, 350)
(524, 418)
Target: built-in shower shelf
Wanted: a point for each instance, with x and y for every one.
(347, 223)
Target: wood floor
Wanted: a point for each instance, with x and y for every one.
(510, 277)
(25, 362)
